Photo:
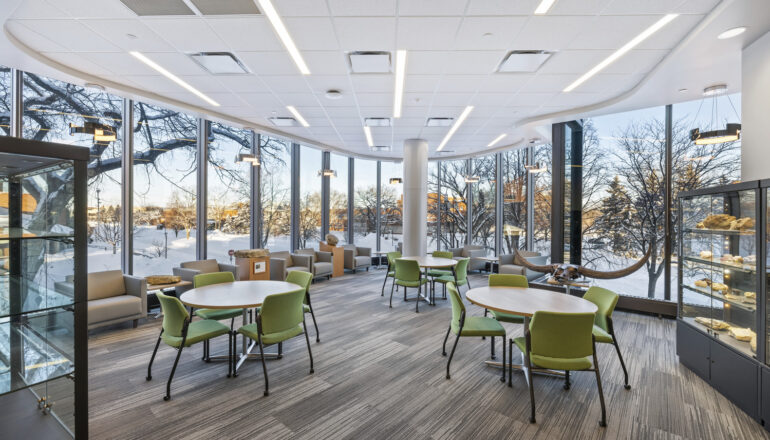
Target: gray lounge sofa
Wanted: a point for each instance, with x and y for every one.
(283, 262)
(320, 263)
(189, 269)
(357, 257)
(506, 264)
(475, 253)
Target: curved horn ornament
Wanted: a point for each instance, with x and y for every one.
(521, 261)
(599, 275)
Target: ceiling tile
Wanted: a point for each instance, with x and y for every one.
(373, 83)
(575, 62)
(105, 9)
(366, 33)
(428, 33)
(322, 83)
(326, 62)
(452, 99)
(31, 38)
(426, 63)
(342, 8)
(117, 32)
(301, 8)
(71, 34)
(584, 7)
(672, 34)
(431, 7)
(285, 83)
(77, 62)
(312, 33)
(550, 32)
(243, 83)
(187, 34)
(246, 33)
(505, 82)
(375, 100)
(122, 63)
(269, 63)
(473, 62)
(485, 33)
(37, 9)
(612, 32)
(418, 99)
(421, 83)
(346, 100)
(343, 112)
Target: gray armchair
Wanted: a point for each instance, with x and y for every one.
(507, 265)
(189, 269)
(475, 253)
(357, 257)
(112, 297)
(320, 263)
(281, 263)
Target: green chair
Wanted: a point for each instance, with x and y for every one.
(559, 341)
(304, 279)
(391, 272)
(177, 331)
(279, 319)
(441, 272)
(507, 280)
(206, 279)
(460, 277)
(408, 274)
(604, 331)
(475, 326)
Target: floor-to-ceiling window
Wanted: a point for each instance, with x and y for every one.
(228, 198)
(165, 165)
(365, 207)
(309, 197)
(541, 172)
(275, 193)
(391, 205)
(50, 107)
(453, 203)
(433, 207)
(5, 101)
(514, 181)
(338, 198)
(481, 181)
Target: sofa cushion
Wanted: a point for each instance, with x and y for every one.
(204, 266)
(107, 309)
(351, 247)
(363, 261)
(322, 268)
(105, 284)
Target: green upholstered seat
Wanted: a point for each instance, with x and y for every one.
(604, 331)
(391, 272)
(601, 335)
(178, 332)
(279, 319)
(559, 341)
(469, 326)
(441, 272)
(207, 279)
(461, 274)
(408, 274)
(507, 280)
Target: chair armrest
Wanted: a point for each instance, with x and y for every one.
(137, 286)
(476, 253)
(505, 259)
(511, 269)
(185, 273)
(223, 267)
(364, 251)
(325, 257)
(349, 258)
(277, 269)
(303, 260)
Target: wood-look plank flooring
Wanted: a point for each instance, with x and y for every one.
(379, 374)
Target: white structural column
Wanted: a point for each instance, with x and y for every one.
(415, 197)
(755, 117)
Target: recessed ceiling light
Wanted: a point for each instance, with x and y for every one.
(368, 133)
(658, 25)
(333, 94)
(380, 148)
(439, 122)
(296, 114)
(369, 62)
(544, 7)
(454, 128)
(172, 77)
(131, 36)
(523, 61)
(283, 34)
(682, 90)
(400, 76)
(282, 121)
(219, 63)
(730, 33)
(497, 139)
(377, 122)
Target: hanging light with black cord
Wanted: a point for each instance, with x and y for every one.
(713, 134)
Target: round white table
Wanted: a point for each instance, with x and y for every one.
(236, 295)
(430, 262)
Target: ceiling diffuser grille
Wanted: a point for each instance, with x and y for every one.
(158, 7)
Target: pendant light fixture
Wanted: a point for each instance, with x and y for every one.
(100, 132)
(714, 134)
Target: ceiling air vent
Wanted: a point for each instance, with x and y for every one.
(144, 8)
(439, 122)
(369, 62)
(377, 122)
(219, 63)
(380, 148)
(523, 61)
(229, 7)
(283, 122)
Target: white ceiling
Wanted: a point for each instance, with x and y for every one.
(451, 60)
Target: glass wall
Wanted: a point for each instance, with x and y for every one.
(483, 202)
(365, 207)
(433, 207)
(338, 198)
(452, 206)
(50, 106)
(228, 224)
(391, 205)
(5, 101)
(541, 175)
(310, 160)
(514, 175)
(275, 193)
(165, 165)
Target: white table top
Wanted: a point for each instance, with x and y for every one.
(236, 295)
(525, 301)
(432, 262)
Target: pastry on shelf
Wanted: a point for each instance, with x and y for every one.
(706, 255)
(717, 221)
(751, 259)
(753, 343)
(742, 334)
(737, 260)
(720, 287)
(740, 298)
(716, 324)
(726, 258)
(752, 295)
(703, 283)
(742, 224)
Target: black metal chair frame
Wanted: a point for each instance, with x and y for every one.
(457, 339)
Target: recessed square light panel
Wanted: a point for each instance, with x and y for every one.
(369, 62)
(523, 61)
(283, 122)
(439, 122)
(377, 122)
(220, 63)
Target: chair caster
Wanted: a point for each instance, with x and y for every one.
(148, 378)
(628, 387)
(266, 393)
(532, 420)
(166, 398)
(602, 423)
(502, 379)
(448, 377)
(493, 357)
(317, 340)
(566, 387)
(443, 353)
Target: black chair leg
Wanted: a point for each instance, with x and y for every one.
(280, 349)
(235, 353)
(264, 367)
(603, 421)
(152, 358)
(502, 379)
(309, 352)
(390, 303)
(317, 335)
(510, 363)
(485, 315)
(384, 283)
(443, 349)
(622, 364)
(531, 384)
(492, 346)
(566, 380)
(230, 354)
(171, 376)
(417, 299)
(449, 361)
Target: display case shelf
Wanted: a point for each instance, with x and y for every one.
(724, 337)
(746, 232)
(750, 307)
(743, 267)
(25, 234)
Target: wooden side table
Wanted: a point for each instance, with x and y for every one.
(338, 258)
(254, 268)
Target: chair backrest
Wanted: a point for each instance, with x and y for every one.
(206, 279)
(442, 254)
(300, 278)
(461, 270)
(407, 270)
(282, 311)
(174, 315)
(105, 284)
(562, 335)
(605, 300)
(457, 305)
(507, 280)
(203, 266)
(285, 255)
(392, 258)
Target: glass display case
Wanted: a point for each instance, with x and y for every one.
(718, 282)
(42, 209)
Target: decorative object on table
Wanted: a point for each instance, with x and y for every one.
(332, 240)
(252, 264)
(162, 279)
(713, 133)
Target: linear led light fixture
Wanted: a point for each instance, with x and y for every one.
(297, 116)
(455, 126)
(283, 34)
(368, 133)
(497, 139)
(544, 7)
(157, 67)
(622, 51)
(398, 98)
